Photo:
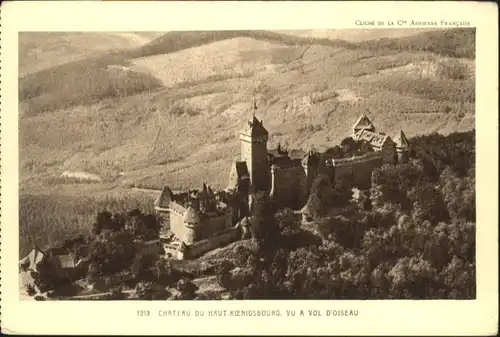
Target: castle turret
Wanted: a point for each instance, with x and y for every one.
(363, 123)
(402, 147)
(191, 221)
(253, 138)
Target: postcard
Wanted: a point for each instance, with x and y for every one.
(291, 168)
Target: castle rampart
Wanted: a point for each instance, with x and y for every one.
(357, 159)
(214, 241)
(358, 168)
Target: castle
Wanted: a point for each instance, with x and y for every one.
(198, 217)
(288, 180)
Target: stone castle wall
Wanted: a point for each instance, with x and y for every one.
(215, 241)
(212, 225)
(254, 153)
(206, 228)
(177, 225)
(358, 168)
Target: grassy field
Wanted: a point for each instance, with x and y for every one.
(146, 117)
(47, 219)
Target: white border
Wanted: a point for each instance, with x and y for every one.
(375, 317)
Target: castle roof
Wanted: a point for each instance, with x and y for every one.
(375, 139)
(363, 122)
(254, 128)
(164, 198)
(192, 216)
(401, 140)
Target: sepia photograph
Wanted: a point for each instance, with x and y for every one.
(247, 164)
(249, 167)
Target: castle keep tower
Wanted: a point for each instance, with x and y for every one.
(253, 138)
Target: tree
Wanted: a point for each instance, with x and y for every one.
(187, 289)
(117, 294)
(224, 274)
(459, 194)
(414, 278)
(163, 272)
(341, 192)
(143, 226)
(460, 278)
(349, 146)
(151, 291)
(287, 222)
(113, 252)
(321, 196)
(30, 290)
(428, 200)
(390, 183)
(263, 218)
(103, 221)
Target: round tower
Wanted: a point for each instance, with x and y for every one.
(192, 220)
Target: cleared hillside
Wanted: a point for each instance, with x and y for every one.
(243, 57)
(41, 50)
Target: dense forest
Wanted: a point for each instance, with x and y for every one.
(412, 237)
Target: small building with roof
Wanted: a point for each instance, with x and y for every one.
(63, 265)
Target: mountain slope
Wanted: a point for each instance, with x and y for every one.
(308, 95)
(109, 75)
(175, 41)
(41, 50)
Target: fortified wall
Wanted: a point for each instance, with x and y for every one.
(217, 240)
(358, 168)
